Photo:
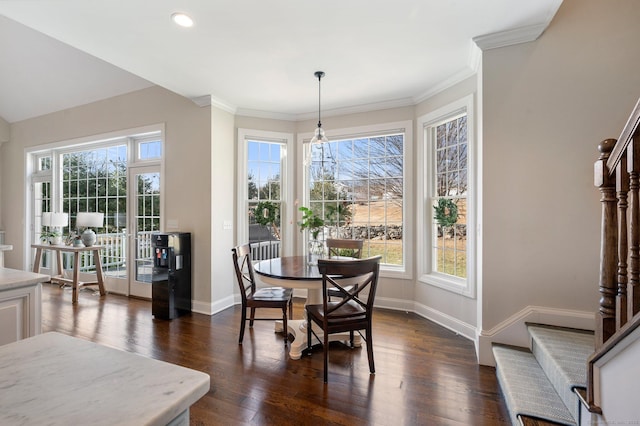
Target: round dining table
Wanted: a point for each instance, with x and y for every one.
(296, 272)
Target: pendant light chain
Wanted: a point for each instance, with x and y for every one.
(320, 74)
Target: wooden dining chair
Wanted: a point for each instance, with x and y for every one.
(354, 310)
(343, 247)
(253, 297)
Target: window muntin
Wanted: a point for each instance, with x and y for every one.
(449, 243)
(357, 185)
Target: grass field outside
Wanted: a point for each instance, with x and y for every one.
(450, 251)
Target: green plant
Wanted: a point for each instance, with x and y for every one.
(310, 221)
(46, 234)
(267, 213)
(446, 212)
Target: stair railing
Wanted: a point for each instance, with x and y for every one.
(617, 175)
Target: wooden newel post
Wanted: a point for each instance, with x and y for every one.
(606, 316)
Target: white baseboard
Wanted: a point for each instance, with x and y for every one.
(212, 308)
(513, 330)
(459, 327)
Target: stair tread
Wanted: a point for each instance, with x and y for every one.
(562, 353)
(526, 388)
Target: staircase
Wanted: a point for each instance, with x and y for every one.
(539, 384)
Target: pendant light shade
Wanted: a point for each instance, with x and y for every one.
(318, 136)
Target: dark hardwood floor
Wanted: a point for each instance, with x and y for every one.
(425, 374)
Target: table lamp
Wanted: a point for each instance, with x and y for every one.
(88, 221)
(55, 221)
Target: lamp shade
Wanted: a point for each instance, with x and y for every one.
(46, 219)
(55, 219)
(90, 220)
(59, 219)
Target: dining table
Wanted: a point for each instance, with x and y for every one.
(298, 273)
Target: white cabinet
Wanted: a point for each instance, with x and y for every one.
(20, 304)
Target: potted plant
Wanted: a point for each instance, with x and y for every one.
(313, 223)
(54, 237)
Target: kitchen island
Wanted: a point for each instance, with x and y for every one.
(20, 304)
(56, 379)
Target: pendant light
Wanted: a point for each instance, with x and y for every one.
(318, 136)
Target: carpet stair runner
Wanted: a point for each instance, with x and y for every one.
(538, 384)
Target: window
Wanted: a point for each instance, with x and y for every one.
(447, 152)
(44, 163)
(449, 197)
(357, 185)
(95, 181)
(149, 150)
(262, 181)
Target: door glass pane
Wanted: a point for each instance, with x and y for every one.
(147, 222)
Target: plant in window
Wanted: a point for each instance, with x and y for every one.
(311, 221)
(266, 214)
(314, 223)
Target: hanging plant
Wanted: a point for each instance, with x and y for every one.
(266, 213)
(446, 212)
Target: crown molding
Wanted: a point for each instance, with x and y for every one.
(208, 100)
(510, 37)
(377, 106)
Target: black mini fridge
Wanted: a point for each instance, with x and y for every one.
(171, 276)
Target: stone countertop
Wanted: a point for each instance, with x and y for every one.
(56, 379)
(13, 278)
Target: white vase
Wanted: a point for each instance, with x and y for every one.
(57, 240)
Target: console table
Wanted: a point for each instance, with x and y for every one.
(56, 379)
(58, 249)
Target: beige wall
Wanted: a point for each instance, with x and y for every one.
(187, 172)
(547, 104)
(222, 207)
(5, 130)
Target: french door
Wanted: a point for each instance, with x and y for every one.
(144, 217)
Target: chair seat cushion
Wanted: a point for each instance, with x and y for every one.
(271, 294)
(350, 311)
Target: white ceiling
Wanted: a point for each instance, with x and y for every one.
(252, 57)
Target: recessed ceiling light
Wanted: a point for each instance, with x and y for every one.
(182, 19)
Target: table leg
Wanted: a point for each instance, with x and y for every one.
(298, 328)
(59, 261)
(76, 272)
(36, 262)
(98, 263)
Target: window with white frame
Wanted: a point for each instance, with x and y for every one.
(93, 177)
(448, 247)
(357, 185)
(262, 181)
